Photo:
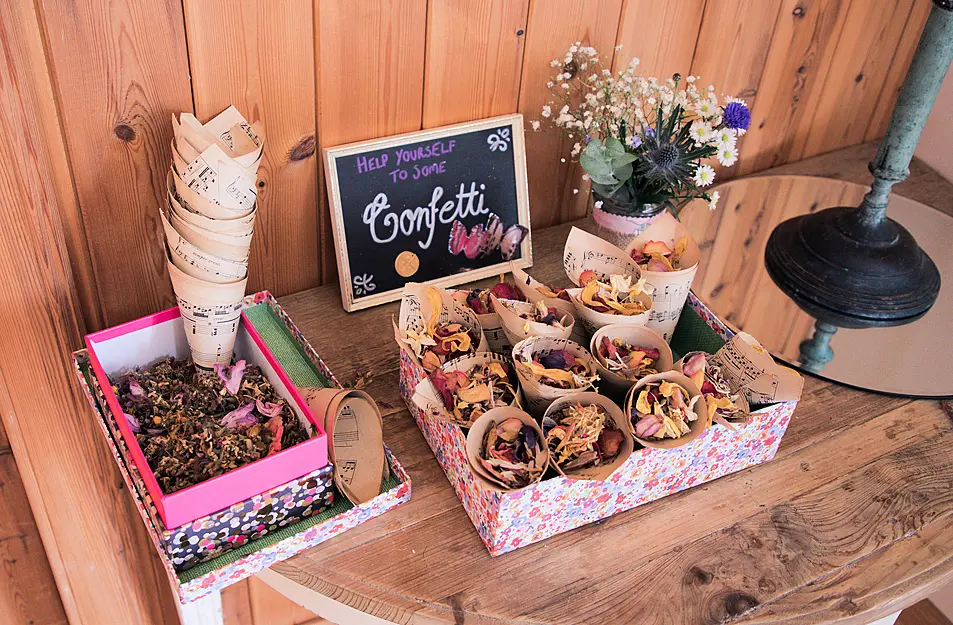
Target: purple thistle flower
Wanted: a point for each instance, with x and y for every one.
(737, 116)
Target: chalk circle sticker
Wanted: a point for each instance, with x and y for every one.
(407, 264)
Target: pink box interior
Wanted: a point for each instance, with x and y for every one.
(139, 343)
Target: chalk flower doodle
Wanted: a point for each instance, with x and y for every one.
(499, 140)
(484, 239)
(364, 284)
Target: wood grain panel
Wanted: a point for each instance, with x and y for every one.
(802, 50)
(661, 34)
(99, 553)
(553, 26)
(259, 56)
(269, 607)
(898, 69)
(28, 594)
(859, 68)
(369, 85)
(474, 56)
(733, 43)
(236, 604)
(120, 70)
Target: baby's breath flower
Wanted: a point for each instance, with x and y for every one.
(598, 204)
(534, 124)
(547, 111)
(713, 202)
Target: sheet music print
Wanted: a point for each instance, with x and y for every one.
(667, 303)
(238, 190)
(200, 177)
(742, 373)
(210, 321)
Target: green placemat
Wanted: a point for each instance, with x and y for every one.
(693, 334)
(286, 350)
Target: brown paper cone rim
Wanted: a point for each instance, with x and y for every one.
(618, 417)
(635, 335)
(474, 442)
(368, 490)
(696, 427)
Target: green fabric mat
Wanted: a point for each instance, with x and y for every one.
(693, 334)
(286, 350)
(341, 504)
(303, 373)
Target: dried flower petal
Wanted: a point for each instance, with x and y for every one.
(135, 390)
(268, 409)
(240, 417)
(133, 422)
(232, 379)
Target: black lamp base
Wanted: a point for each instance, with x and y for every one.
(849, 273)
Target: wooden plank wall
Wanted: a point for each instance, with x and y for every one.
(89, 87)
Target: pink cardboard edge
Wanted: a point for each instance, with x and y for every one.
(212, 495)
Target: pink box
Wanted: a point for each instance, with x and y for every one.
(509, 520)
(139, 343)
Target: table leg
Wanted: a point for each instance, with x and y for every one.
(205, 611)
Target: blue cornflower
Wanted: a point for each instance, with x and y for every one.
(737, 116)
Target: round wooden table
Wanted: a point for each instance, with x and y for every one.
(852, 520)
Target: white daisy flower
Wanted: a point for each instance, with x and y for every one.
(700, 132)
(727, 156)
(534, 124)
(547, 111)
(704, 175)
(713, 202)
(706, 109)
(725, 138)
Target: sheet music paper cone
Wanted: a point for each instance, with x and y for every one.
(210, 313)
(670, 287)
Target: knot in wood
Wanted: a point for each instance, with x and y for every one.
(124, 132)
(303, 149)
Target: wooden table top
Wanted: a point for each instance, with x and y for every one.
(851, 521)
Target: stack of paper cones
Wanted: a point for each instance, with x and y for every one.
(208, 222)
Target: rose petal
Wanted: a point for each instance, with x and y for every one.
(268, 409)
(135, 390)
(233, 378)
(240, 417)
(277, 431)
(133, 422)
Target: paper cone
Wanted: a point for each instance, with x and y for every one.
(539, 396)
(217, 178)
(319, 400)
(474, 444)
(415, 310)
(592, 320)
(490, 323)
(430, 400)
(240, 227)
(198, 263)
(354, 425)
(516, 328)
(212, 242)
(670, 287)
(613, 381)
(210, 313)
(749, 368)
(529, 287)
(198, 204)
(713, 376)
(586, 251)
(618, 418)
(228, 130)
(696, 427)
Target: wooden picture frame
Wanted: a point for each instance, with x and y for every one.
(333, 154)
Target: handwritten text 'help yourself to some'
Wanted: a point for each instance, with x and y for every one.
(405, 156)
(385, 226)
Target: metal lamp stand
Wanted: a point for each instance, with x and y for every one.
(853, 267)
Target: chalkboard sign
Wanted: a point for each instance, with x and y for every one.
(441, 206)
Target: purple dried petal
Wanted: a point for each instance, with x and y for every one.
(240, 417)
(135, 390)
(559, 359)
(268, 409)
(133, 422)
(233, 379)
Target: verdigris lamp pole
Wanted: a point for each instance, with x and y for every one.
(853, 267)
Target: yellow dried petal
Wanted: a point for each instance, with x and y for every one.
(642, 403)
(474, 394)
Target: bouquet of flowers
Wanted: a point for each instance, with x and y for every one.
(642, 141)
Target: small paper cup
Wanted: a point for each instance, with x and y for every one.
(739, 399)
(539, 396)
(618, 418)
(592, 320)
(429, 399)
(696, 427)
(474, 444)
(517, 329)
(634, 335)
(415, 310)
